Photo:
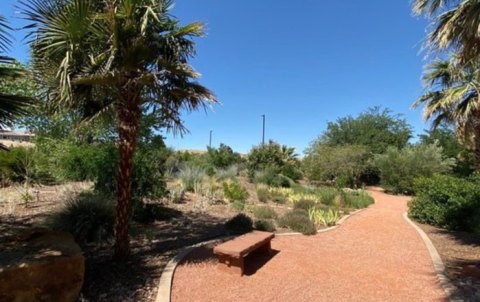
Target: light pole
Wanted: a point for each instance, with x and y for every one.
(263, 132)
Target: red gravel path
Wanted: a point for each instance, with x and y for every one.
(373, 256)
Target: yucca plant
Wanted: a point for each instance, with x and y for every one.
(116, 58)
(326, 218)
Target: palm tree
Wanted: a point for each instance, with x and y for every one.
(452, 97)
(11, 106)
(455, 25)
(121, 58)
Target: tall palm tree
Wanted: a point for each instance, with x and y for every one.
(119, 57)
(452, 96)
(11, 105)
(455, 25)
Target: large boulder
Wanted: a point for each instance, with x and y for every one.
(40, 265)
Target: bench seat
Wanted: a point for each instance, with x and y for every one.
(231, 254)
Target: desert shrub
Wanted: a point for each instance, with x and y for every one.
(190, 176)
(305, 204)
(399, 168)
(357, 199)
(238, 205)
(88, 216)
(265, 225)
(264, 212)
(227, 173)
(271, 178)
(298, 221)
(326, 218)
(222, 157)
(148, 213)
(234, 191)
(278, 197)
(275, 157)
(327, 195)
(263, 193)
(447, 202)
(239, 224)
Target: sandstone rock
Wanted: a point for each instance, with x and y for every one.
(40, 265)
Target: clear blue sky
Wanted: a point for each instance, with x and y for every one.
(302, 63)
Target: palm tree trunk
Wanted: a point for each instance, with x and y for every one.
(128, 127)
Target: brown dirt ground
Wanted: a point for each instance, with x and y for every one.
(460, 252)
(375, 256)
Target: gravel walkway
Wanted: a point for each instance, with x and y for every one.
(374, 256)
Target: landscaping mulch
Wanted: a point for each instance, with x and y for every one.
(460, 252)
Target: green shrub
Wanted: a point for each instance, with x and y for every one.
(305, 204)
(265, 225)
(190, 176)
(148, 213)
(298, 221)
(263, 193)
(327, 195)
(88, 216)
(399, 168)
(357, 199)
(276, 158)
(234, 191)
(278, 197)
(223, 157)
(227, 173)
(264, 213)
(238, 205)
(324, 217)
(239, 224)
(271, 178)
(447, 202)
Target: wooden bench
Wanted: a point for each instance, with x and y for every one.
(231, 254)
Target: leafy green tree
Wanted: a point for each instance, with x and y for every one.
(274, 157)
(452, 97)
(445, 136)
(333, 163)
(223, 157)
(376, 128)
(116, 58)
(454, 26)
(400, 167)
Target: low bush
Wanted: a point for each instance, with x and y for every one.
(88, 216)
(357, 199)
(323, 217)
(239, 224)
(305, 204)
(265, 225)
(447, 202)
(271, 178)
(227, 173)
(278, 197)
(263, 193)
(264, 213)
(298, 221)
(234, 191)
(238, 205)
(190, 176)
(327, 195)
(148, 213)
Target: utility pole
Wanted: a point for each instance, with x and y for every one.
(210, 142)
(263, 132)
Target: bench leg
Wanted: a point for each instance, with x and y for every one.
(231, 265)
(266, 248)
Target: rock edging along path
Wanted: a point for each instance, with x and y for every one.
(375, 256)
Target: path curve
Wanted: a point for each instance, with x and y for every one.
(375, 256)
